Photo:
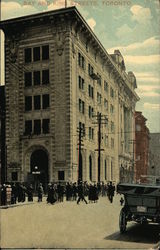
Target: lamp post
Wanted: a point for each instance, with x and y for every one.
(36, 173)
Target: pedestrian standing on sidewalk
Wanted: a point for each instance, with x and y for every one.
(30, 192)
(3, 194)
(81, 193)
(13, 194)
(74, 192)
(40, 192)
(111, 190)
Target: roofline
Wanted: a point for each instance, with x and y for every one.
(37, 15)
(63, 11)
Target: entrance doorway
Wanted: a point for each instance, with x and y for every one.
(39, 168)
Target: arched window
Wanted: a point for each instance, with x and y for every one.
(90, 168)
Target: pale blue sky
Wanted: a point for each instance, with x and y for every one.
(132, 26)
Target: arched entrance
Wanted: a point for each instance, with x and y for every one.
(39, 167)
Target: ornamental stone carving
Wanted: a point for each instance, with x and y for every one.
(60, 41)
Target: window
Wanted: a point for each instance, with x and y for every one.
(106, 104)
(36, 78)
(90, 91)
(112, 126)
(28, 127)
(106, 122)
(61, 176)
(81, 61)
(45, 101)
(138, 127)
(14, 176)
(111, 92)
(81, 106)
(45, 126)
(82, 127)
(111, 109)
(28, 103)
(90, 70)
(99, 97)
(28, 55)
(106, 140)
(45, 76)
(91, 133)
(99, 79)
(45, 52)
(37, 102)
(90, 111)
(81, 82)
(105, 86)
(37, 127)
(36, 54)
(28, 79)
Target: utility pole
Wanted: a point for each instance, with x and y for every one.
(99, 121)
(81, 132)
(133, 142)
(99, 147)
(65, 3)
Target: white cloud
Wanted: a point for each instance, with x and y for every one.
(148, 87)
(142, 60)
(123, 30)
(151, 106)
(142, 93)
(14, 9)
(147, 77)
(140, 14)
(150, 43)
(92, 23)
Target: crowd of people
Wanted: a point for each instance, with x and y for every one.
(18, 192)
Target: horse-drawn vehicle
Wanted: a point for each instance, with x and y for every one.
(142, 204)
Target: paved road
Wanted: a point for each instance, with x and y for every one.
(68, 225)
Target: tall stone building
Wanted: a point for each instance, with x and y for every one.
(69, 104)
(141, 146)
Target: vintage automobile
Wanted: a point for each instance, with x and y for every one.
(141, 204)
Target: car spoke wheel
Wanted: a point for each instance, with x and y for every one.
(122, 221)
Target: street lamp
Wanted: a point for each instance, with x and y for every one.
(36, 173)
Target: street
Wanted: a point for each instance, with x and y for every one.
(68, 225)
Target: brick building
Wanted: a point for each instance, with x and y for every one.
(141, 146)
(60, 80)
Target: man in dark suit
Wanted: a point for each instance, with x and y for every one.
(81, 193)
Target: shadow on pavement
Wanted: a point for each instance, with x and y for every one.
(138, 233)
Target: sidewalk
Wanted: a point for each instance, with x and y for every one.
(21, 203)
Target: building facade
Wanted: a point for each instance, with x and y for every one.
(154, 155)
(141, 146)
(69, 104)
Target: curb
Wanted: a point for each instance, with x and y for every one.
(16, 205)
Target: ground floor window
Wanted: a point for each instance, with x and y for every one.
(61, 175)
(14, 176)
